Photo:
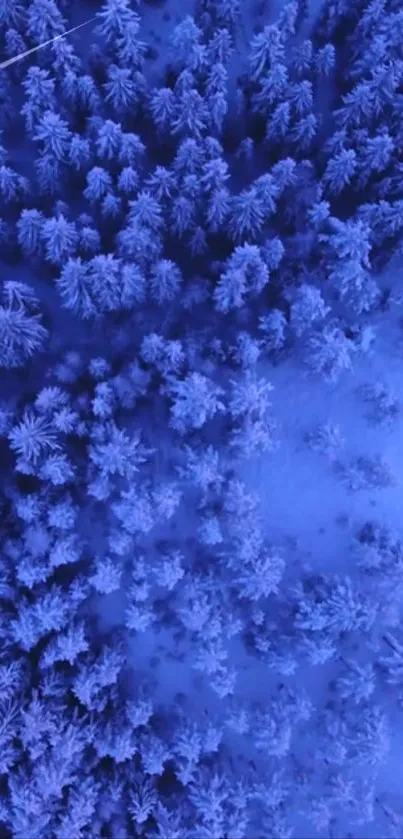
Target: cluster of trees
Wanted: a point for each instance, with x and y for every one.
(191, 242)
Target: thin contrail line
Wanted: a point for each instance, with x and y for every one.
(22, 55)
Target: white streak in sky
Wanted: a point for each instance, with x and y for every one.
(22, 55)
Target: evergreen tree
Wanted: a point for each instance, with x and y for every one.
(104, 273)
(375, 156)
(162, 107)
(57, 469)
(117, 453)
(130, 49)
(217, 209)
(185, 47)
(12, 185)
(279, 122)
(133, 286)
(65, 59)
(183, 215)
(325, 60)
(107, 576)
(111, 206)
(226, 13)
(60, 239)
(220, 47)
(349, 240)
(266, 50)
(15, 45)
(189, 158)
(121, 89)
(11, 14)
(190, 116)
(109, 139)
(132, 149)
(358, 107)
(308, 307)
(44, 21)
(48, 173)
(161, 183)
(115, 17)
(250, 397)
(33, 437)
(39, 90)
(195, 400)
(75, 288)
(268, 190)
(135, 512)
(245, 272)
(67, 646)
(139, 243)
(128, 181)
(79, 153)
(301, 97)
(218, 107)
(273, 326)
(54, 134)
(340, 170)
(87, 97)
(330, 353)
(301, 58)
(304, 132)
(356, 683)
(283, 174)
(99, 183)
(274, 86)
(246, 215)
(165, 281)
(22, 333)
(145, 210)
(336, 606)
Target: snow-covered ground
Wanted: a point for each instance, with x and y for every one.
(302, 494)
(305, 506)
